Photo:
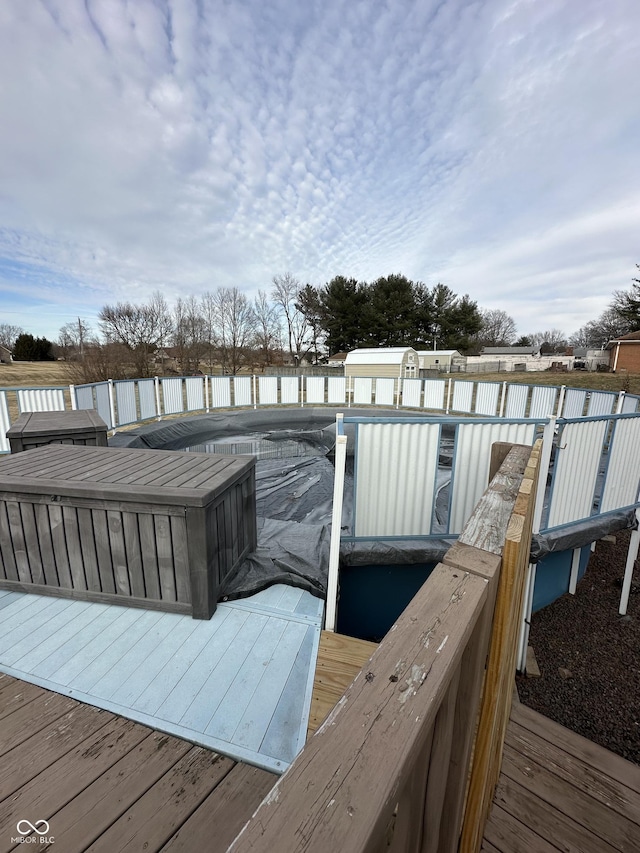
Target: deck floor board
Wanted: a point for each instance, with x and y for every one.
(559, 791)
(221, 683)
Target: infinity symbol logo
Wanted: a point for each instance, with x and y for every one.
(20, 827)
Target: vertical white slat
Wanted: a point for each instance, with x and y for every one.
(622, 478)
(462, 396)
(242, 390)
(220, 392)
(172, 395)
(5, 422)
(434, 390)
(472, 454)
(362, 390)
(336, 390)
(195, 393)
(517, 396)
(487, 394)
(315, 390)
(289, 390)
(574, 400)
(412, 393)
(268, 390)
(543, 401)
(147, 399)
(576, 471)
(126, 412)
(600, 403)
(396, 471)
(41, 400)
(384, 391)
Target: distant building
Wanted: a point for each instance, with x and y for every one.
(624, 353)
(378, 362)
(439, 359)
(337, 359)
(5, 355)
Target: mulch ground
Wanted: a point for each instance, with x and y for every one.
(589, 656)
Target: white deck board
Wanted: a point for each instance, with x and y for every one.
(239, 683)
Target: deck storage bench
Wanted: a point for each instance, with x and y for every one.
(149, 528)
(33, 429)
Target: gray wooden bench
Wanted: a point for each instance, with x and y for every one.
(148, 528)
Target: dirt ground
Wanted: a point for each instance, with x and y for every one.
(589, 656)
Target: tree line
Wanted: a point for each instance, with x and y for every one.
(226, 329)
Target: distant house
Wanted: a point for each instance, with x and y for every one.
(439, 359)
(5, 355)
(337, 359)
(624, 353)
(394, 362)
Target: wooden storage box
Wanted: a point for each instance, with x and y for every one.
(150, 528)
(34, 429)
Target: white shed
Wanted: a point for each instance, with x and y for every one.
(438, 359)
(392, 362)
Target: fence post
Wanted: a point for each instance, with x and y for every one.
(255, 393)
(206, 393)
(563, 389)
(336, 525)
(72, 397)
(302, 383)
(112, 405)
(157, 390)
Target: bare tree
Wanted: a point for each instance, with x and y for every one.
(8, 334)
(553, 340)
(139, 328)
(236, 325)
(597, 333)
(189, 334)
(73, 338)
(268, 334)
(286, 295)
(498, 328)
(209, 311)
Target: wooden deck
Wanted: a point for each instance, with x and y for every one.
(104, 783)
(239, 683)
(559, 791)
(339, 660)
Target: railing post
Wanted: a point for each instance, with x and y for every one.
(634, 545)
(336, 525)
(255, 392)
(157, 390)
(72, 397)
(563, 389)
(112, 405)
(206, 393)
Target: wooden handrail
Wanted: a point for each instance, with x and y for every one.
(389, 767)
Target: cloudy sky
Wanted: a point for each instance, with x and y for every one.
(183, 145)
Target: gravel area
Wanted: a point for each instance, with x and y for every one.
(589, 656)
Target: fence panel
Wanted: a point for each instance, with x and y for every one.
(397, 466)
(147, 399)
(195, 393)
(517, 396)
(411, 392)
(601, 403)
(5, 422)
(472, 454)
(622, 477)
(126, 412)
(41, 400)
(434, 394)
(242, 390)
(487, 396)
(385, 391)
(172, 395)
(220, 392)
(84, 397)
(574, 400)
(576, 471)
(289, 390)
(103, 402)
(543, 401)
(315, 389)
(462, 396)
(630, 404)
(362, 389)
(268, 390)
(337, 390)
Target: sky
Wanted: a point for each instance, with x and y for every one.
(184, 145)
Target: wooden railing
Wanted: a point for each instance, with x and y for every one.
(391, 767)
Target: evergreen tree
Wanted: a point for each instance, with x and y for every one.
(28, 348)
(391, 312)
(343, 302)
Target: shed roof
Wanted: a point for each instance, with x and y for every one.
(509, 350)
(378, 355)
(438, 352)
